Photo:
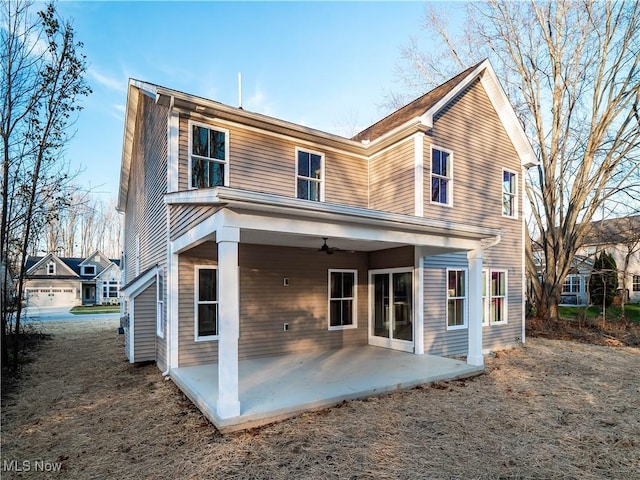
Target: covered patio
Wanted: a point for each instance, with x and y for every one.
(274, 388)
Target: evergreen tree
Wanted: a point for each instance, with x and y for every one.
(603, 282)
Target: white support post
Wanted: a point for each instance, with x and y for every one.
(228, 322)
(474, 356)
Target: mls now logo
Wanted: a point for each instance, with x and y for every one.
(31, 466)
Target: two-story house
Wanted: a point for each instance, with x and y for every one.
(619, 237)
(251, 242)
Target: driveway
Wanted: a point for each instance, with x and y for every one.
(57, 314)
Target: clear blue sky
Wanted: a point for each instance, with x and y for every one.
(321, 64)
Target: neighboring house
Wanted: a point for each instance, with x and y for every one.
(251, 237)
(619, 237)
(53, 281)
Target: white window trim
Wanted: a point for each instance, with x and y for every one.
(635, 283)
(51, 264)
(465, 316)
(160, 318)
(83, 270)
(322, 174)
(196, 296)
(572, 279)
(486, 275)
(515, 194)
(193, 123)
(354, 323)
(506, 297)
(450, 177)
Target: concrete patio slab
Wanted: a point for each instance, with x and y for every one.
(275, 388)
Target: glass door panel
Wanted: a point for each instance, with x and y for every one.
(381, 312)
(402, 306)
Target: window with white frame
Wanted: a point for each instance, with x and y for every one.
(456, 299)
(206, 302)
(88, 270)
(498, 296)
(209, 151)
(51, 268)
(441, 176)
(636, 283)
(571, 284)
(110, 289)
(485, 280)
(309, 175)
(342, 299)
(509, 194)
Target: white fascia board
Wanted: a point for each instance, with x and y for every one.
(508, 117)
(500, 102)
(140, 283)
(127, 145)
(46, 259)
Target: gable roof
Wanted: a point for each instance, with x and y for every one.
(413, 109)
(613, 231)
(34, 263)
(71, 265)
(425, 108)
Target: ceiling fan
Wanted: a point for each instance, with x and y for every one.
(327, 249)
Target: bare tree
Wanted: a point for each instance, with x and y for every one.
(572, 71)
(41, 81)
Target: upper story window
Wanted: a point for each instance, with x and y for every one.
(208, 156)
(88, 270)
(509, 194)
(51, 268)
(309, 175)
(441, 176)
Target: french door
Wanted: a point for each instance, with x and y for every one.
(391, 308)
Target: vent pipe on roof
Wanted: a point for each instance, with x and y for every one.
(240, 90)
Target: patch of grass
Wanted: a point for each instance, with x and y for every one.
(614, 313)
(92, 310)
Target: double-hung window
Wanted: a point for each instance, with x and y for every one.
(51, 268)
(441, 176)
(456, 299)
(498, 293)
(636, 283)
(342, 299)
(309, 175)
(206, 302)
(509, 194)
(110, 289)
(209, 155)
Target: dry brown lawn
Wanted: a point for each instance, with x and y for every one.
(552, 409)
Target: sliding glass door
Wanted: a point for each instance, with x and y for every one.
(391, 309)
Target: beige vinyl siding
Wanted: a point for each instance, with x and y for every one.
(266, 304)
(471, 129)
(437, 339)
(392, 179)
(182, 218)
(144, 325)
(191, 352)
(346, 180)
(267, 163)
(146, 213)
(61, 269)
(392, 258)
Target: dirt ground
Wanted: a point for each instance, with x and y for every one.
(552, 409)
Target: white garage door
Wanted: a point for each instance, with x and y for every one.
(51, 297)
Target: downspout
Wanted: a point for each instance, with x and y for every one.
(167, 330)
